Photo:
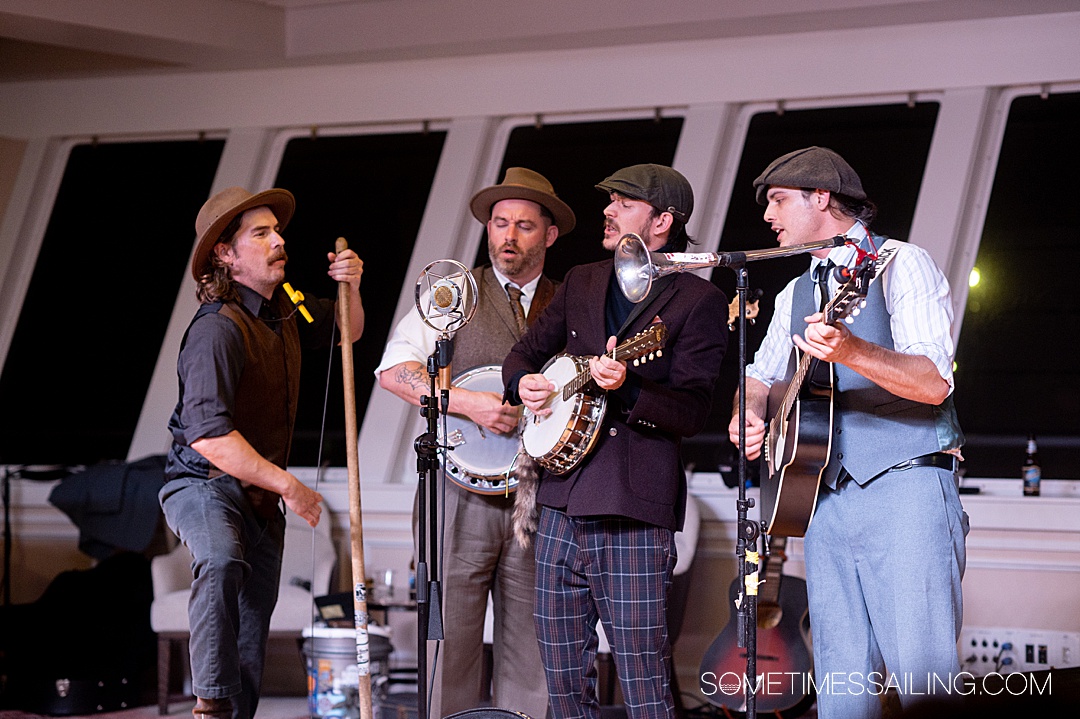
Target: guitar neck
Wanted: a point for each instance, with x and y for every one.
(769, 589)
(792, 392)
(572, 387)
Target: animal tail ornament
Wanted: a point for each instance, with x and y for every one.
(526, 517)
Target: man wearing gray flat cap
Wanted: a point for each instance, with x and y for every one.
(885, 549)
(605, 541)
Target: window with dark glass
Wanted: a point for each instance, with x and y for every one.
(576, 156)
(115, 251)
(1015, 369)
(887, 145)
(371, 190)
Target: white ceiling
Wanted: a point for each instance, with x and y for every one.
(46, 39)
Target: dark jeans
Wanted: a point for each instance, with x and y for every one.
(236, 568)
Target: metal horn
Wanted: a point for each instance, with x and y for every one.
(636, 267)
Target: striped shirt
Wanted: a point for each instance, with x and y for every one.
(916, 297)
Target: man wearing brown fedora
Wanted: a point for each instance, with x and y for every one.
(239, 369)
(523, 218)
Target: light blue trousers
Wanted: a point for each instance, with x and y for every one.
(883, 564)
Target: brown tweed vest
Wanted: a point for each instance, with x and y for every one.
(488, 337)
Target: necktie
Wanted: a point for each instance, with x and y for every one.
(515, 305)
(824, 271)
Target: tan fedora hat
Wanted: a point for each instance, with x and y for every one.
(523, 184)
(219, 211)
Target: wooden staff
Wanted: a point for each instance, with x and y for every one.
(356, 524)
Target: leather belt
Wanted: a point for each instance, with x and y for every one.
(941, 460)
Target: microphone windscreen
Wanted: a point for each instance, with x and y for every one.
(443, 296)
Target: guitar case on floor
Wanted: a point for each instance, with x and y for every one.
(85, 646)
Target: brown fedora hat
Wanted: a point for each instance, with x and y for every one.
(219, 211)
(523, 184)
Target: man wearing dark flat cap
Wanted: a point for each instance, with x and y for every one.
(885, 547)
(239, 371)
(523, 217)
(605, 541)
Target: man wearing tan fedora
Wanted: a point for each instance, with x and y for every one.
(238, 369)
(481, 557)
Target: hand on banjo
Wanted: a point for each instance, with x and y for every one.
(488, 411)
(534, 390)
(608, 373)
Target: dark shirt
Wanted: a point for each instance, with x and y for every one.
(212, 360)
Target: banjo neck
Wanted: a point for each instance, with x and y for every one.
(647, 344)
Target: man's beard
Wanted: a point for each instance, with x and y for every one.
(643, 233)
(522, 262)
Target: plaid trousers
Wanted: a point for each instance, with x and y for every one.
(617, 570)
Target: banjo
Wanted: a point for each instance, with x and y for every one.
(560, 440)
(478, 459)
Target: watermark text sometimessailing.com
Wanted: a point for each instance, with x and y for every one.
(857, 683)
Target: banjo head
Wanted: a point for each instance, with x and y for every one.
(560, 440)
(479, 460)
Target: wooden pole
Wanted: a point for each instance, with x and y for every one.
(356, 524)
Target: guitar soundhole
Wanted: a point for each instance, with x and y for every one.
(769, 615)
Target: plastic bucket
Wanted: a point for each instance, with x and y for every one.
(333, 677)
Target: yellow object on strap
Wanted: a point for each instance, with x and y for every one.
(297, 298)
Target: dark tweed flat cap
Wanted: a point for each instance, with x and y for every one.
(661, 186)
(812, 167)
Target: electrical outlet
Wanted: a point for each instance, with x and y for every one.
(1004, 650)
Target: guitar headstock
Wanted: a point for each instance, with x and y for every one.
(644, 346)
(850, 297)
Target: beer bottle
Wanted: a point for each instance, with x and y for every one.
(1032, 471)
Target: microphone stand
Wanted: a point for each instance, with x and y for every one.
(749, 531)
(428, 586)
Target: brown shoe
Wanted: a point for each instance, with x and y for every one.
(213, 708)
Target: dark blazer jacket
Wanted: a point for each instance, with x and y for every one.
(634, 469)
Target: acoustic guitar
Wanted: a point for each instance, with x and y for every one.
(784, 660)
(799, 435)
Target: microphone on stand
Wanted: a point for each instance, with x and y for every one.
(446, 298)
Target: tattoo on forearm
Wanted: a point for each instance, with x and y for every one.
(412, 377)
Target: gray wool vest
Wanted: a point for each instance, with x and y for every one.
(488, 337)
(873, 429)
